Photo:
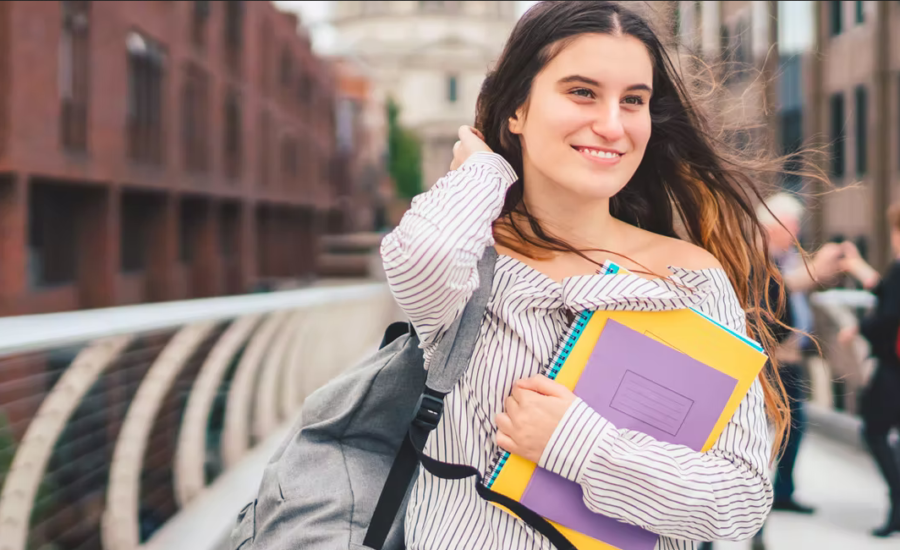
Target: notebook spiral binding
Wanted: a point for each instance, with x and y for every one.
(570, 339)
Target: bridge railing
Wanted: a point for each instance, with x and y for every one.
(147, 426)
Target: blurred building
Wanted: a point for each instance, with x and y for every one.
(830, 76)
(157, 151)
(431, 57)
(364, 186)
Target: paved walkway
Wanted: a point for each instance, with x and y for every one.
(844, 486)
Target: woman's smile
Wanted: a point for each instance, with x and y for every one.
(599, 155)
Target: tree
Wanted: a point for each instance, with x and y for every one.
(404, 155)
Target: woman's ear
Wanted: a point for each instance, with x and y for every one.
(516, 122)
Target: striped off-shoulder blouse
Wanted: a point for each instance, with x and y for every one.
(431, 265)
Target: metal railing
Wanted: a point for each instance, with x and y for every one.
(149, 426)
(145, 426)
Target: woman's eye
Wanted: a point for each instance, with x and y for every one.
(634, 100)
(583, 92)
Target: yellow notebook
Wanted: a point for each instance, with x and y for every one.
(706, 343)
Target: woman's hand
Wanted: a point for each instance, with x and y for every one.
(470, 141)
(532, 413)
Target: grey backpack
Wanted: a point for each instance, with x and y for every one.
(340, 479)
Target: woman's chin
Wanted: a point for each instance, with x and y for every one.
(594, 191)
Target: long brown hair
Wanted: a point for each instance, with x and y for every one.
(687, 175)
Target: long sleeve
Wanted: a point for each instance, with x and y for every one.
(431, 258)
(672, 490)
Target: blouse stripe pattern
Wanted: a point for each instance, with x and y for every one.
(431, 265)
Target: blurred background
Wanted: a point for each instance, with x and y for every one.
(192, 196)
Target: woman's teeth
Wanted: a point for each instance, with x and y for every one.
(601, 154)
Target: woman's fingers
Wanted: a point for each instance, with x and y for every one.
(511, 406)
(470, 141)
(504, 423)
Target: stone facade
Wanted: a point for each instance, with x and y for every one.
(431, 57)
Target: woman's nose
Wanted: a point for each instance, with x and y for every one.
(608, 122)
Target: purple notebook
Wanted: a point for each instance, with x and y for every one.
(638, 384)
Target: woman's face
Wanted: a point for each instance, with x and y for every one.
(587, 121)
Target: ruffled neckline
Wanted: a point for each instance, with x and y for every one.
(606, 290)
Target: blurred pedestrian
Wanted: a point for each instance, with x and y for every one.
(880, 403)
(798, 281)
(781, 216)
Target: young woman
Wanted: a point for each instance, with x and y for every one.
(880, 404)
(588, 149)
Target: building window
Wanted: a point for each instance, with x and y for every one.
(289, 161)
(74, 77)
(265, 60)
(837, 17)
(194, 119)
(286, 68)
(862, 119)
(135, 223)
(265, 145)
(860, 12)
(305, 89)
(452, 89)
(837, 135)
(198, 23)
(791, 143)
(146, 70)
(725, 43)
(52, 236)
(229, 230)
(742, 37)
(190, 216)
(234, 33)
(736, 54)
(232, 143)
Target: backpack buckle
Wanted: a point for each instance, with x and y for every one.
(428, 411)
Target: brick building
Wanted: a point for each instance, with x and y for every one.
(158, 150)
(831, 74)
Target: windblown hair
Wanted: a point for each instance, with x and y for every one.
(689, 179)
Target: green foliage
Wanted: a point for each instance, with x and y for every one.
(404, 155)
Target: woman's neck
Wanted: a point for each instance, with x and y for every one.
(583, 224)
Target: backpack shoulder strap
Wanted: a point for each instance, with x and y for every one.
(446, 368)
(451, 357)
(448, 364)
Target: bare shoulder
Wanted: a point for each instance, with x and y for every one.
(667, 251)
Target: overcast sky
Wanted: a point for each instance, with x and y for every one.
(315, 16)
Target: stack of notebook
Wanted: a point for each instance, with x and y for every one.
(677, 376)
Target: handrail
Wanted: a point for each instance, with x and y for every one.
(37, 332)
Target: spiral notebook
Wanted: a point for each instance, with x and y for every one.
(677, 375)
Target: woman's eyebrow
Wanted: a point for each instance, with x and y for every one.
(592, 82)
